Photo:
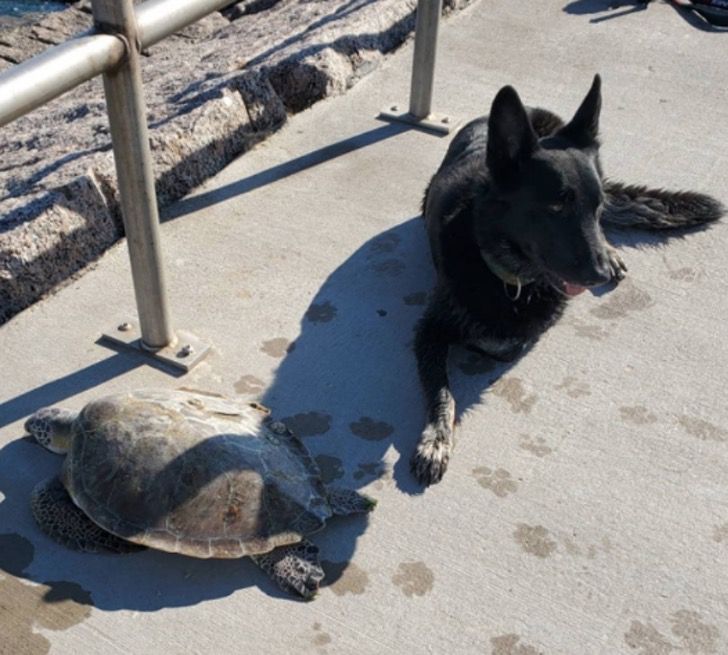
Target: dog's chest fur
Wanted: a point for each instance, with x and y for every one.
(478, 304)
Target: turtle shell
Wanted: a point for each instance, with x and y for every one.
(194, 474)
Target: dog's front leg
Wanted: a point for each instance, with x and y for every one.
(432, 455)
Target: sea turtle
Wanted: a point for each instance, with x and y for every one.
(191, 473)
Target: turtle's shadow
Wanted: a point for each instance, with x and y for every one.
(142, 581)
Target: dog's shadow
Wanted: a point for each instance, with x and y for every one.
(348, 385)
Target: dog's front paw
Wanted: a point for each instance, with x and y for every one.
(429, 462)
(617, 267)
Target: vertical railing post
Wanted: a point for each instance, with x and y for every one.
(423, 62)
(423, 74)
(132, 155)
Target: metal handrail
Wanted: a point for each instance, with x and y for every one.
(130, 140)
(32, 83)
(420, 113)
(38, 80)
(112, 48)
(423, 64)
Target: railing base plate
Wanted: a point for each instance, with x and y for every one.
(439, 123)
(186, 353)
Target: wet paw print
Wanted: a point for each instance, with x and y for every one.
(320, 639)
(414, 579)
(371, 429)
(624, 300)
(53, 605)
(308, 424)
(514, 392)
(278, 347)
(577, 548)
(321, 312)
(416, 298)
(574, 388)
(373, 471)
(331, 468)
(588, 330)
(535, 445)
(499, 481)
(690, 633)
(345, 578)
(703, 430)
(386, 479)
(684, 273)
(535, 540)
(511, 644)
(249, 384)
(637, 414)
(720, 533)
(389, 267)
(384, 243)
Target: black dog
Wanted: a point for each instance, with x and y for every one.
(514, 219)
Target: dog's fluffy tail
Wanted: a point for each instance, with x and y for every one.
(657, 209)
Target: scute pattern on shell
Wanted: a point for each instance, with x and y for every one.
(194, 474)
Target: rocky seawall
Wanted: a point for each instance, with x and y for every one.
(212, 91)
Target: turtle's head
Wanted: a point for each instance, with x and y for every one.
(52, 427)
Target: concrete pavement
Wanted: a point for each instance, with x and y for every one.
(585, 510)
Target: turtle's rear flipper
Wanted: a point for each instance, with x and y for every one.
(295, 569)
(58, 516)
(347, 501)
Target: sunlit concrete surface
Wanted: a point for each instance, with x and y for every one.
(585, 510)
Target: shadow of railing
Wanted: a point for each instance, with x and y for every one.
(60, 389)
(283, 170)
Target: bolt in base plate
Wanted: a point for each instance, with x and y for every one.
(184, 354)
(439, 123)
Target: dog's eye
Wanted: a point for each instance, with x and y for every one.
(566, 196)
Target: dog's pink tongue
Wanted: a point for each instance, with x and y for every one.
(573, 289)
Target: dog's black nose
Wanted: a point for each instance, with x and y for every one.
(597, 278)
(598, 281)
(594, 271)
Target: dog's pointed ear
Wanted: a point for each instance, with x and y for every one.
(511, 139)
(583, 129)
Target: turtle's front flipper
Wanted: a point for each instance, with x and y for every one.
(347, 501)
(294, 568)
(60, 519)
